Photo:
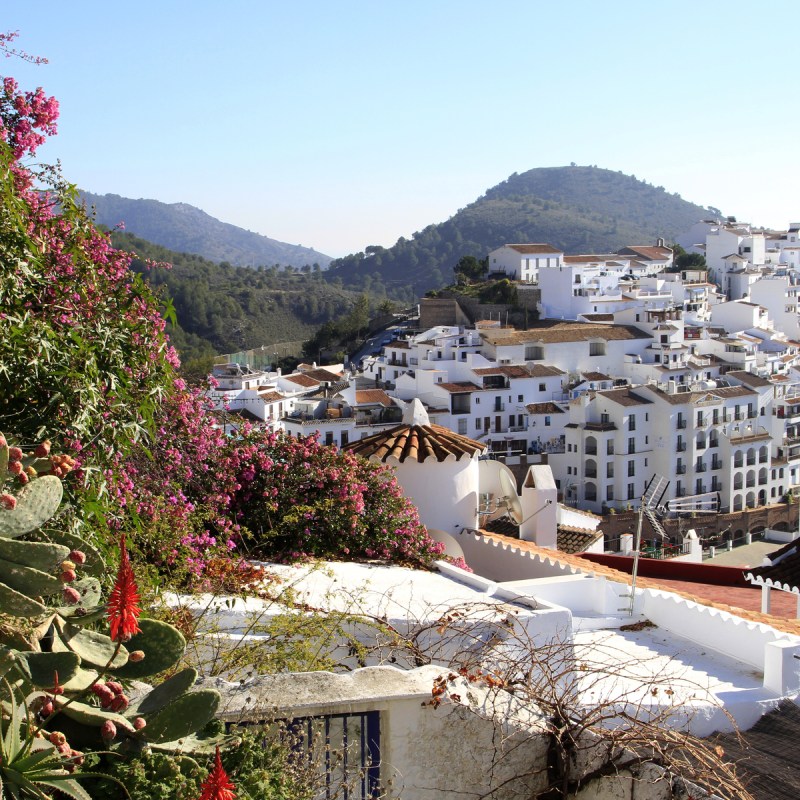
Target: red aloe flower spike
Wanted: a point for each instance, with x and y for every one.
(123, 608)
(217, 786)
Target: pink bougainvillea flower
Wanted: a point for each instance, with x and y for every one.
(123, 603)
(217, 786)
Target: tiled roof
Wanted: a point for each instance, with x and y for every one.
(784, 572)
(544, 371)
(568, 332)
(302, 379)
(595, 376)
(766, 756)
(271, 397)
(575, 540)
(417, 443)
(625, 397)
(513, 371)
(577, 564)
(748, 377)
(322, 375)
(598, 317)
(526, 249)
(460, 387)
(372, 396)
(648, 252)
(543, 408)
(590, 258)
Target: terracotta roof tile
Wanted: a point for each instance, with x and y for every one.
(575, 540)
(512, 371)
(372, 396)
(567, 332)
(579, 564)
(302, 379)
(416, 443)
(271, 397)
(527, 249)
(460, 387)
(544, 408)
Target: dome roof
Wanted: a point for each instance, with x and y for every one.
(418, 443)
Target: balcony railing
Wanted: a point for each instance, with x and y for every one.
(681, 424)
(590, 450)
(681, 469)
(700, 468)
(681, 447)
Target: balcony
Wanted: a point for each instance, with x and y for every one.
(713, 442)
(591, 450)
(700, 467)
(751, 460)
(681, 447)
(681, 469)
(681, 425)
(590, 472)
(716, 465)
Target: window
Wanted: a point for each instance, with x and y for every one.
(597, 348)
(631, 445)
(462, 427)
(631, 469)
(631, 492)
(699, 419)
(534, 352)
(547, 421)
(632, 422)
(610, 469)
(609, 492)
(329, 437)
(542, 388)
(477, 424)
(519, 398)
(610, 447)
(477, 400)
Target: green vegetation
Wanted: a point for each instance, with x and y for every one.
(220, 308)
(579, 209)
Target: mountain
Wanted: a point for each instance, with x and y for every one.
(578, 209)
(220, 308)
(186, 229)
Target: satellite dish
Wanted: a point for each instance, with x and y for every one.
(451, 546)
(511, 499)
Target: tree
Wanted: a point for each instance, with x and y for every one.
(471, 268)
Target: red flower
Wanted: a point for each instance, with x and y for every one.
(123, 608)
(217, 786)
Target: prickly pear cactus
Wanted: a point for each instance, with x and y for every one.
(72, 670)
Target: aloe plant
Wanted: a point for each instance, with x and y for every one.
(70, 669)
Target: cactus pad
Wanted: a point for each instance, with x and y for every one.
(164, 693)
(95, 649)
(36, 503)
(39, 555)
(183, 716)
(17, 604)
(42, 667)
(32, 582)
(162, 646)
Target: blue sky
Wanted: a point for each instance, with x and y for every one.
(342, 124)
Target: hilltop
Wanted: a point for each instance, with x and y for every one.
(221, 308)
(578, 209)
(186, 229)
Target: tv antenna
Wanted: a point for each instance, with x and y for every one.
(651, 508)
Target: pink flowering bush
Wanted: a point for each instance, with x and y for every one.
(84, 354)
(298, 499)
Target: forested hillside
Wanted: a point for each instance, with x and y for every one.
(578, 209)
(186, 229)
(221, 308)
